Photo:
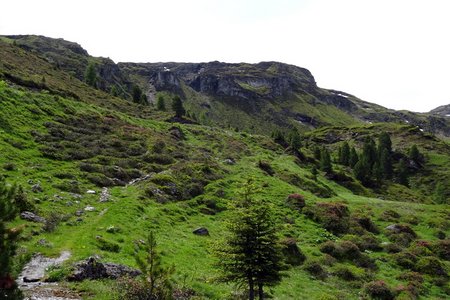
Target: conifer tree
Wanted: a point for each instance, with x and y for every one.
(90, 75)
(136, 94)
(8, 239)
(177, 107)
(384, 142)
(294, 139)
(415, 155)
(386, 163)
(403, 172)
(161, 103)
(156, 275)
(316, 151)
(251, 254)
(325, 161)
(344, 154)
(370, 151)
(353, 157)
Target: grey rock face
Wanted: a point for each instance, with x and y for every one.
(93, 269)
(29, 216)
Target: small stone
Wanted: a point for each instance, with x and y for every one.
(29, 216)
(79, 213)
(229, 161)
(36, 188)
(91, 192)
(201, 231)
(89, 208)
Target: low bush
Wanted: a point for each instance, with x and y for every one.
(405, 259)
(333, 216)
(9, 166)
(266, 167)
(431, 265)
(442, 249)
(292, 253)
(295, 201)
(315, 269)
(379, 290)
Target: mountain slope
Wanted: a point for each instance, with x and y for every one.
(257, 98)
(61, 138)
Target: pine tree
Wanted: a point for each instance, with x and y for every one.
(370, 151)
(363, 170)
(136, 94)
(403, 172)
(316, 151)
(384, 142)
(385, 155)
(294, 139)
(161, 103)
(344, 154)
(8, 239)
(386, 163)
(325, 161)
(177, 107)
(415, 155)
(156, 275)
(90, 75)
(251, 254)
(353, 158)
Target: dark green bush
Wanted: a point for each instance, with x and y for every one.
(292, 253)
(266, 167)
(432, 266)
(379, 290)
(315, 269)
(333, 216)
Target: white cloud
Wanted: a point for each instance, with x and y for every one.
(394, 53)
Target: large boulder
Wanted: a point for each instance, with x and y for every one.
(93, 269)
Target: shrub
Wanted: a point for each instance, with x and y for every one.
(367, 223)
(345, 273)
(405, 259)
(295, 201)
(442, 249)
(379, 290)
(364, 261)
(365, 242)
(292, 253)
(100, 180)
(9, 166)
(431, 265)
(52, 221)
(401, 234)
(266, 167)
(333, 216)
(349, 250)
(331, 248)
(162, 159)
(316, 270)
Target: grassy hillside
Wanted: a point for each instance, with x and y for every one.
(60, 138)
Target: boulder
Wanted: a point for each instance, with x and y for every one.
(29, 216)
(93, 269)
(201, 231)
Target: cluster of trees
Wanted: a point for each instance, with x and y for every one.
(177, 105)
(376, 161)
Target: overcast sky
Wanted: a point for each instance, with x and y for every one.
(392, 52)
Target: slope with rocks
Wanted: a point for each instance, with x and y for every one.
(65, 142)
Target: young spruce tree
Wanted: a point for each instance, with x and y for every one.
(251, 254)
(8, 239)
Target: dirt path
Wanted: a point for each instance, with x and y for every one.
(32, 286)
